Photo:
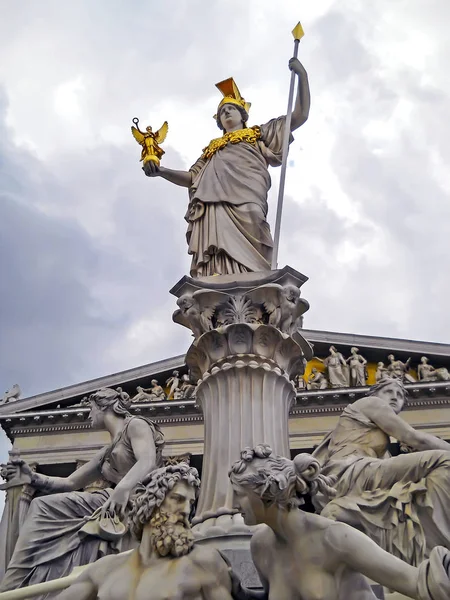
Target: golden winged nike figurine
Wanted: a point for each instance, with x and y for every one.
(150, 141)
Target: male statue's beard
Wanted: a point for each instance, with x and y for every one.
(171, 534)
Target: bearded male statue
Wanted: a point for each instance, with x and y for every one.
(166, 564)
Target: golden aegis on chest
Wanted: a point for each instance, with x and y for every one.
(249, 134)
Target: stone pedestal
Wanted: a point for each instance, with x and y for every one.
(247, 350)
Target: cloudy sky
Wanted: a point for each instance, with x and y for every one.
(89, 246)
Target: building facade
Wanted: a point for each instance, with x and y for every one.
(52, 432)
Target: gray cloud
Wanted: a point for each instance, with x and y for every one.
(67, 297)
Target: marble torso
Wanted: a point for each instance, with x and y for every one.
(186, 578)
(309, 580)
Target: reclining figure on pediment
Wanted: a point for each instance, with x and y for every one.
(427, 372)
(153, 394)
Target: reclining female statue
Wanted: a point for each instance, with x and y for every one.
(401, 502)
(59, 532)
(305, 555)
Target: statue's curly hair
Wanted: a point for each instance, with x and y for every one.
(388, 382)
(278, 480)
(118, 400)
(150, 496)
(241, 109)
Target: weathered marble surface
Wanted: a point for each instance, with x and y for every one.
(357, 368)
(304, 555)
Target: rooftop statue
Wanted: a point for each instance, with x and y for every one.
(337, 369)
(399, 369)
(173, 383)
(228, 185)
(11, 395)
(186, 389)
(316, 380)
(357, 368)
(167, 563)
(303, 555)
(152, 394)
(427, 372)
(65, 527)
(381, 372)
(143, 395)
(400, 502)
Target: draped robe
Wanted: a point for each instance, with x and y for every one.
(52, 541)
(399, 502)
(227, 214)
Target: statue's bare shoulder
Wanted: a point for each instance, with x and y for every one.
(262, 544)
(216, 571)
(208, 559)
(103, 567)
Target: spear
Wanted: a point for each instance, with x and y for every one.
(298, 33)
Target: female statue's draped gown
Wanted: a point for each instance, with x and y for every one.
(400, 502)
(51, 541)
(227, 227)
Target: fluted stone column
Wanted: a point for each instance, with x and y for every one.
(245, 356)
(18, 499)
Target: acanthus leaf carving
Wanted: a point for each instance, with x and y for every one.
(270, 304)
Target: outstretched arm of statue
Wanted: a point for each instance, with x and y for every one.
(303, 100)
(51, 485)
(360, 553)
(392, 424)
(182, 178)
(144, 450)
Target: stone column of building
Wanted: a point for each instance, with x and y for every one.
(17, 501)
(246, 353)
